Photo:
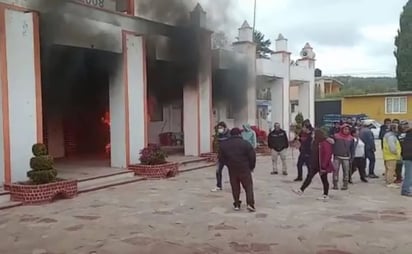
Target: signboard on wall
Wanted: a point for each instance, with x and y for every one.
(104, 4)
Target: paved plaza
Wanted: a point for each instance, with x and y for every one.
(182, 216)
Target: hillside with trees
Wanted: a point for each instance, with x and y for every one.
(359, 85)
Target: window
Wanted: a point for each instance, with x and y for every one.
(396, 105)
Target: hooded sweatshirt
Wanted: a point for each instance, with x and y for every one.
(391, 147)
(343, 146)
(249, 135)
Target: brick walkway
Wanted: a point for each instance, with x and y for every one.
(181, 216)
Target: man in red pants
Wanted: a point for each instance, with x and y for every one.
(240, 158)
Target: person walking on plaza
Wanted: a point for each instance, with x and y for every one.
(407, 160)
(366, 135)
(305, 139)
(391, 154)
(321, 162)
(358, 162)
(403, 127)
(240, 158)
(278, 142)
(223, 134)
(249, 135)
(342, 152)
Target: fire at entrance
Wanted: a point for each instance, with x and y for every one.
(76, 101)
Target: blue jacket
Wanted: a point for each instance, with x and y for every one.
(366, 135)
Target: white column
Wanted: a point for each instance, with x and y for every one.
(191, 120)
(304, 100)
(128, 103)
(281, 103)
(21, 92)
(117, 115)
(205, 93)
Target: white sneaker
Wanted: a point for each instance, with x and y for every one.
(393, 186)
(216, 189)
(324, 198)
(298, 192)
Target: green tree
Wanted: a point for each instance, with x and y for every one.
(403, 52)
(262, 45)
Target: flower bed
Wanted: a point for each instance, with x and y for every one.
(165, 170)
(43, 193)
(211, 157)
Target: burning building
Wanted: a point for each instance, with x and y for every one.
(79, 75)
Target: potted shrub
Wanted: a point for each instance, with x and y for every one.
(153, 164)
(43, 186)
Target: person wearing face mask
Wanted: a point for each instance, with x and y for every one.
(278, 142)
(223, 134)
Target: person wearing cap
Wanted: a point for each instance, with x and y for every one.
(223, 134)
(240, 158)
(366, 135)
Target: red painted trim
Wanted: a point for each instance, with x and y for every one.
(5, 97)
(37, 72)
(146, 110)
(131, 8)
(126, 98)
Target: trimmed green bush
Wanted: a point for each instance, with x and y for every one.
(42, 162)
(42, 176)
(39, 149)
(42, 166)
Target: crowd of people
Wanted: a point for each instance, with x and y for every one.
(348, 147)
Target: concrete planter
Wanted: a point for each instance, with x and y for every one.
(42, 193)
(170, 169)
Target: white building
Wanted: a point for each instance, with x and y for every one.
(280, 74)
(66, 66)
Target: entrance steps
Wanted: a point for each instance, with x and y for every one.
(5, 202)
(194, 163)
(107, 180)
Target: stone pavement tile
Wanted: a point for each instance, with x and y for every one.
(183, 216)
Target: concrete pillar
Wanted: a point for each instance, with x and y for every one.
(280, 88)
(197, 95)
(246, 46)
(128, 103)
(281, 103)
(307, 88)
(21, 105)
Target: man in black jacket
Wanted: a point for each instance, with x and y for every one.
(279, 143)
(240, 158)
(407, 160)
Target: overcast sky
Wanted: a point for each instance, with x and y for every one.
(353, 37)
